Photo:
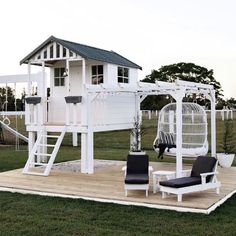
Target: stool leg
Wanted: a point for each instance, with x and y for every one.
(179, 196)
(154, 184)
(163, 195)
(157, 183)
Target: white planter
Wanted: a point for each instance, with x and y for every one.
(137, 153)
(225, 160)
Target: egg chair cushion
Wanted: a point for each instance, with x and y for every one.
(192, 152)
(166, 138)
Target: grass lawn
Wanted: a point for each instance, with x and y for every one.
(35, 215)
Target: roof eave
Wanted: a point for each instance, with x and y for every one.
(134, 64)
(26, 59)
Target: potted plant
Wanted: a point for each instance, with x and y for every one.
(135, 137)
(228, 145)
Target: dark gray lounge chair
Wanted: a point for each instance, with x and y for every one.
(137, 173)
(202, 177)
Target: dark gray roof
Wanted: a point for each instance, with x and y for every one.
(86, 52)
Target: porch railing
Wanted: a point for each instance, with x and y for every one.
(33, 111)
(72, 106)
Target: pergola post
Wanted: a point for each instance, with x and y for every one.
(179, 163)
(213, 124)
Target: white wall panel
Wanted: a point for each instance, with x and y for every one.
(107, 108)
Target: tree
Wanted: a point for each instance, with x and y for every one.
(10, 103)
(231, 103)
(183, 71)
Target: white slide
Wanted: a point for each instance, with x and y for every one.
(17, 134)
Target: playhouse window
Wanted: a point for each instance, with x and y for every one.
(59, 77)
(97, 74)
(123, 75)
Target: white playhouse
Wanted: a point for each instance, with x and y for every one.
(75, 71)
(93, 90)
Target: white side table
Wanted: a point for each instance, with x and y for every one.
(159, 174)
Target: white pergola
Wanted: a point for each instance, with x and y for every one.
(178, 90)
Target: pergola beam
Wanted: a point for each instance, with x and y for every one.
(152, 89)
(193, 84)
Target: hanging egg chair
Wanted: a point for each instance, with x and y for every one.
(194, 130)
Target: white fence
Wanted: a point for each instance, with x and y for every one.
(12, 113)
(150, 113)
(224, 114)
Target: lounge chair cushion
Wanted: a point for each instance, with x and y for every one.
(181, 182)
(137, 179)
(203, 164)
(137, 164)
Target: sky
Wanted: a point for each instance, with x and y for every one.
(151, 33)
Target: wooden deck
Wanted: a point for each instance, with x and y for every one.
(107, 185)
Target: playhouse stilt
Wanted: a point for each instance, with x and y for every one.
(87, 162)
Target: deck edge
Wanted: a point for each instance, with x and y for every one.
(220, 202)
(102, 200)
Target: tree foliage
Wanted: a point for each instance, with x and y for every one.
(230, 103)
(9, 103)
(228, 143)
(183, 71)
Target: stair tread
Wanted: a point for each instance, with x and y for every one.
(34, 173)
(42, 154)
(51, 136)
(46, 145)
(39, 164)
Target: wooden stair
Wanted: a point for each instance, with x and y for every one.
(34, 164)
